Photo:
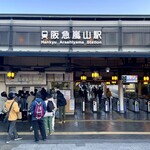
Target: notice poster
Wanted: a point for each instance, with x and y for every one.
(67, 94)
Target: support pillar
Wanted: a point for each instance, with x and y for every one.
(121, 97)
(105, 87)
(139, 88)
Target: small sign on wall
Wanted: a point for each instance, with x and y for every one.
(27, 79)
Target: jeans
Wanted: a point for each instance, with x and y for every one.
(48, 124)
(12, 132)
(38, 124)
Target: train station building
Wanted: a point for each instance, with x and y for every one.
(54, 51)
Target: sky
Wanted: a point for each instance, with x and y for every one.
(75, 7)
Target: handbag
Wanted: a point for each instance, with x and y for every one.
(7, 114)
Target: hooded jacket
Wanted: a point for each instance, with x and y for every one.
(33, 104)
(13, 114)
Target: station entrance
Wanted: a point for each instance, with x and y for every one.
(64, 73)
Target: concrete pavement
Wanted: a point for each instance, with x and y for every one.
(127, 144)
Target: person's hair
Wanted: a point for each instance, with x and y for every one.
(38, 95)
(48, 96)
(4, 94)
(58, 92)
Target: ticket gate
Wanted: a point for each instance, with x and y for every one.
(83, 106)
(107, 105)
(133, 105)
(115, 104)
(94, 106)
(144, 105)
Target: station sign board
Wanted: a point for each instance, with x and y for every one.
(75, 37)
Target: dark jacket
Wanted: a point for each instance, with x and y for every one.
(61, 101)
(32, 107)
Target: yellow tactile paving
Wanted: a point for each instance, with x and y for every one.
(86, 133)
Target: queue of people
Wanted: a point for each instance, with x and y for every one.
(41, 107)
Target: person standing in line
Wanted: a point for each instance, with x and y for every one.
(37, 114)
(61, 103)
(3, 99)
(30, 98)
(49, 117)
(13, 115)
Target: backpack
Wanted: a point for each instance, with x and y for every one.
(50, 106)
(63, 101)
(39, 110)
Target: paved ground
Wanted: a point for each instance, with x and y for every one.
(88, 131)
(78, 145)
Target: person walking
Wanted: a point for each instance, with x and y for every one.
(37, 110)
(61, 103)
(12, 106)
(108, 95)
(49, 117)
(100, 93)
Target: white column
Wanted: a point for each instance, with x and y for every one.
(104, 88)
(121, 98)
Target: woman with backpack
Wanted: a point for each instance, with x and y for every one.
(49, 117)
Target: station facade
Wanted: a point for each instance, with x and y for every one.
(54, 50)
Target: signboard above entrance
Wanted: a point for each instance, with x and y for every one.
(76, 37)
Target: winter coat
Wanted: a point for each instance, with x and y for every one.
(60, 100)
(32, 107)
(14, 110)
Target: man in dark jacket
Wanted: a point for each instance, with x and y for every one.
(61, 102)
(38, 122)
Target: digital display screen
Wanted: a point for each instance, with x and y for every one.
(129, 78)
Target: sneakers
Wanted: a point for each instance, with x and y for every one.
(31, 128)
(36, 141)
(60, 122)
(17, 139)
(7, 142)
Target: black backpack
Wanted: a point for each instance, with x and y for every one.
(50, 106)
(63, 101)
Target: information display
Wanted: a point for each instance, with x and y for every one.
(129, 78)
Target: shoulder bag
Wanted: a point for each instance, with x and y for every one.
(7, 114)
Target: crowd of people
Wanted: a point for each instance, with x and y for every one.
(88, 93)
(39, 107)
